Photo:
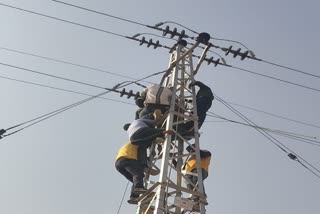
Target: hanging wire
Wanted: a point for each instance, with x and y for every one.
(294, 136)
(68, 63)
(274, 115)
(62, 89)
(211, 114)
(112, 73)
(101, 13)
(51, 75)
(58, 111)
(151, 43)
(124, 194)
(274, 78)
(291, 154)
(193, 31)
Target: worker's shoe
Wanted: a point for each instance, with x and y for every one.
(132, 200)
(139, 190)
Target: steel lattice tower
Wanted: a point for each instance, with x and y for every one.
(169, 194)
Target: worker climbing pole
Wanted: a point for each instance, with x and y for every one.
(167, 193)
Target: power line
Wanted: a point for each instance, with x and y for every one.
(66, 62)
(292, 69)
(124, 193)
(150, 43)
(138, 23)
(211, 114)
(116, 74)
(243, 45)
(61, 89)
(135, 79)
(275, 115)
(63, 109)
(274, 78)
(66, 21)
(291, 154)
(101, 13)
(294, 136)
(51, 75)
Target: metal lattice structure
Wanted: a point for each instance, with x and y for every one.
(167, 192)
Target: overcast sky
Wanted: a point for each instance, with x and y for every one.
(65, 165)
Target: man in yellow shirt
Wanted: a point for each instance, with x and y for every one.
(128, 165)
(190, 167)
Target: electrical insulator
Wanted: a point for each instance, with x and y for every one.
(173, 33)
(122, 92)
(236, 53)
(137, 95)
(228, 50)
(244, 55)
(209, 60)
(157, 44)
(149, 43)
(182, 34)
(129, 94)
(215, 62)
(143, 40)
(166, 31)
(292, 156)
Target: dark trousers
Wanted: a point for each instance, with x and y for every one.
(194, 179)
(145, 136)
(203, 105)
(132, 170)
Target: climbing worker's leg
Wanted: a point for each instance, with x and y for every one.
(204, 176)
(203, 105)
(137, 172)
(146, 135)
(121, 165)
(193, 179)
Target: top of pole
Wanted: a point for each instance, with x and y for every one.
(203, 38)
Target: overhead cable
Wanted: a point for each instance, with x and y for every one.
(278, 79)
(62, 89)
(51, 75)
(41, 118)
(294, 136)
(227, 50)
(291, 154)
(101, 13)
(274, 115)
(66, 62)
(155, 45)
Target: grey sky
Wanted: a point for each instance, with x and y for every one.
(66, 164)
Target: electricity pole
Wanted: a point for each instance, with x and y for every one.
(169, 194)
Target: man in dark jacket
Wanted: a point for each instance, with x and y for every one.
(204, 100)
